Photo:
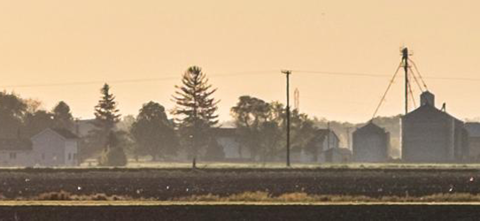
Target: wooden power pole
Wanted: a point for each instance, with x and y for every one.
(405, 67)
(287, 74)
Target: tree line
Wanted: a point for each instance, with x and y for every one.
(260, 125)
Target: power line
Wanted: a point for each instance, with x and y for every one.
(386, 91)
(382, 75)
(341, 73)
(133, 80)
(235, 74)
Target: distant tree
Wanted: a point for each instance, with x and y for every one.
(62, 117)
(106, 117)
(12, 113)
(125, 123)
(33, 105)
(106, 111)
(195, 110)
(37, 122)
(272, 131)
(153, 132)
(214, 151)
(261, 127)
(249, 115)
(113, 154)
(303, 129)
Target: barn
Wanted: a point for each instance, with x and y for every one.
(430, 135)
(370, 144)
(317, 148)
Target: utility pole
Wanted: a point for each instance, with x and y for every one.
(348, 138)
(405, 67)
(287, 74)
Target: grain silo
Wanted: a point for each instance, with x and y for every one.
(430, 135)
(370, 144)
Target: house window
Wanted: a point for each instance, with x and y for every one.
(69, 156)
(13, 156)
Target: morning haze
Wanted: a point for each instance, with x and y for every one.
(82, 41)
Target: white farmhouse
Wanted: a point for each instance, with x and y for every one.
(54, 147)
(15, 152)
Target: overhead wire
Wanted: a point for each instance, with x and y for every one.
(133, 80)
(411, 95)
(386, 91)
(421, 78)
(415, 78)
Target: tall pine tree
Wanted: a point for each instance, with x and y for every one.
(106, 117)
(106, 112)
(195, 110)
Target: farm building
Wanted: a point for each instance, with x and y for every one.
(370, 144)
(432, 135)
(473, 130)
(51, 147)
(337, 155)
(55, 147)
(16, 152)
(319, 148)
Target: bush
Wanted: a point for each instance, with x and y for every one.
(113, 157)
(113, 154)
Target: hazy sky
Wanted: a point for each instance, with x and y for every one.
(58, 42)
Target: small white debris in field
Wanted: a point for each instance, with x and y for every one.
(168, 187)
(27, 180)
(472, 179)
(79, 188)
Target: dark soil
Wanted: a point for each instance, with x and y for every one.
(163, 184)
(242, 212)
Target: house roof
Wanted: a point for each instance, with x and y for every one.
(370, 127)
(473, 129)
(429, 110)
(65, 133)
(13, 144)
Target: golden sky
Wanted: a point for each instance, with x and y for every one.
(58, 42)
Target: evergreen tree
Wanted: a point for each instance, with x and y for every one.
(106, 112)
(195, 110)
(106, 117)
(153, 132)
(62, 117)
